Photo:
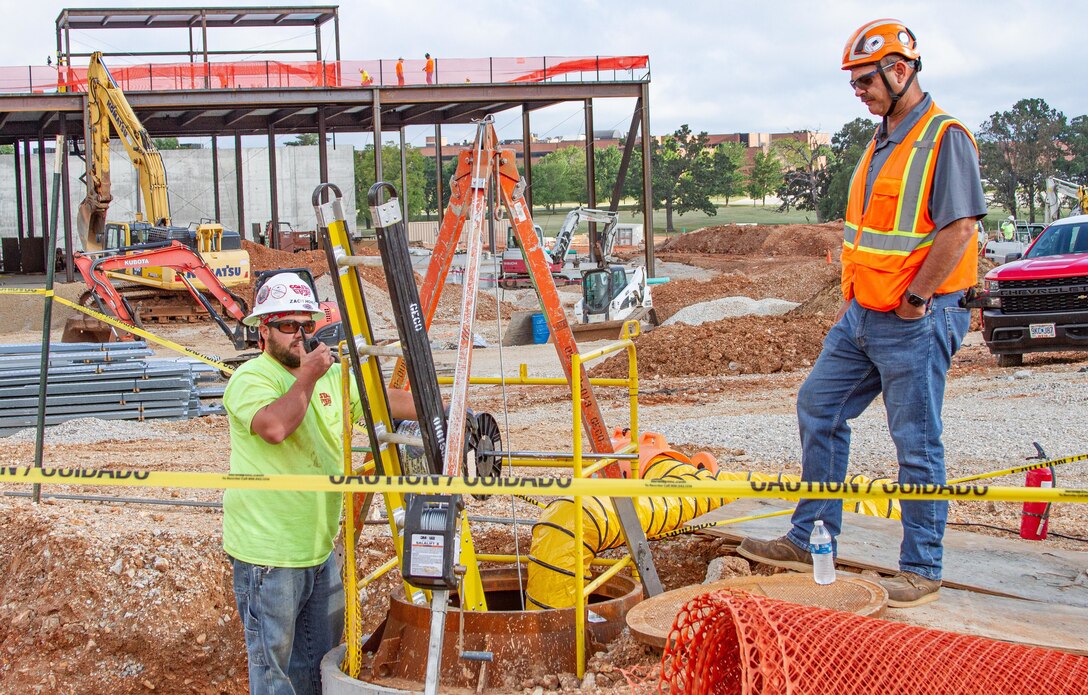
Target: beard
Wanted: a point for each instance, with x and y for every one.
(284, 354)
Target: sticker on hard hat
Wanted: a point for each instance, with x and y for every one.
(262, 295)
(873, 44)
(301, 290)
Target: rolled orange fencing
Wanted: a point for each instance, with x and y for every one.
(733, 642)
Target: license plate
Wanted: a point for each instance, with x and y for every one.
(1041, 330)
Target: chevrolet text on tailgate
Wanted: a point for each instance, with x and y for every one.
(1040, 302)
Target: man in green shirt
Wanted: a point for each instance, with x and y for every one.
(286, 417)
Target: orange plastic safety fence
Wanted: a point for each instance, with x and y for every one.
(733, 642)
(272, 74)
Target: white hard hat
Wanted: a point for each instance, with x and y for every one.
(284, 293)
(1011, 218)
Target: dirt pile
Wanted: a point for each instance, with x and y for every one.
(117, 595)
(744, 345)
(760, 240)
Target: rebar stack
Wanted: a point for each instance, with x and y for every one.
(108, 381)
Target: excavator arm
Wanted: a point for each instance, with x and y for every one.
(109, 111)
(173, 255)
(1058, 190)
(605, 238)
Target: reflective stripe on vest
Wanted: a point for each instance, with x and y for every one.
(903, 239)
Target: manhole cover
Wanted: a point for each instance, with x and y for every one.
(651, 620)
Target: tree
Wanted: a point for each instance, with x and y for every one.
(303, 139)
(364, 178)
(606, 168)
(805, 178)
(430, 193)
(766, 176)
(1018, 150)
(847, 147)
(682, 174)
(560, 177)
(1074, 166)
(166, 143)
(726, 170)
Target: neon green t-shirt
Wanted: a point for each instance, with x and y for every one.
(282, 528)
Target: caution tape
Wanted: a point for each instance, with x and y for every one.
(26, 290)
(117, 323)
(595, 487)
(1021, 469)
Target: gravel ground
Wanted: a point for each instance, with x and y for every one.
(989, 421)
(728, 307)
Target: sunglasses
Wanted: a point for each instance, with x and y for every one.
(290, 326)
(866, 80)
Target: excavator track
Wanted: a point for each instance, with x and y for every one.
(156, 306)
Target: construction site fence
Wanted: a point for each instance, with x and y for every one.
(272, 74)
(730, 641)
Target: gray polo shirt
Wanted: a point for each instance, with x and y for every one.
(957, 185)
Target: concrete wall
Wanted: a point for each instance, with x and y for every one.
(189, 177)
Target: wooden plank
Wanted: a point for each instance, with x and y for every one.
(1000, 566)
(1064, 628)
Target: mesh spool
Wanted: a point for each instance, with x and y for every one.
(651, 620)
(733, 642)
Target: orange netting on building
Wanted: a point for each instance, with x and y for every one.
(271, 74)
(733, 642)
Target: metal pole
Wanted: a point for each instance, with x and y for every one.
(625, 160)
(204, 43)
(238, 184)
(377, 112)
(647, 184)
(42, 184)
(336, 30)
(29, 175)
(322, 152)
(591, 175)
(438, 175)
(18, 193)
(273, 238)
(47, 315)
(403, 179)
(215, 178)
(66, 206)
(527, 156)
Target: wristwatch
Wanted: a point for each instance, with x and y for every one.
(915, 300)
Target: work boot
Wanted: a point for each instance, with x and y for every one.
(907, 589)
(781, 552)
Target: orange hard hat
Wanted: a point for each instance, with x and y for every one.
(877, 39)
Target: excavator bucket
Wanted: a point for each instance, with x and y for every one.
(84, 329)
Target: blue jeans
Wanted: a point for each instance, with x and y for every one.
(292, 618)
(868, 353)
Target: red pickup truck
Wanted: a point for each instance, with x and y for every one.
(1039, 303)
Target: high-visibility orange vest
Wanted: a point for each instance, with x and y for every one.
(884, 246)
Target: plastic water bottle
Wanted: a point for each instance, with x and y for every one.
(823, 559)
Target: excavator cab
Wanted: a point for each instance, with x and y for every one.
(599, 287)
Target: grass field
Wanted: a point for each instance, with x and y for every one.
(743, 212)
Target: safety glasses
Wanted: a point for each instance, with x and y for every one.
(866, 80)
(290, 326)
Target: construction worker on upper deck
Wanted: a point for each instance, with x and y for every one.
(908, 255)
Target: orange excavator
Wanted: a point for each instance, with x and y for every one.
(190, 269)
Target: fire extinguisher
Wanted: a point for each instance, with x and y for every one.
(1035, 518)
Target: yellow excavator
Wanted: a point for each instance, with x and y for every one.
(221, 250)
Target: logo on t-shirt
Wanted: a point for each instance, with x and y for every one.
(326, 399)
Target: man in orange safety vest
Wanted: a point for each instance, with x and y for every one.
(908, 255)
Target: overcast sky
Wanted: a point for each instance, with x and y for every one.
(718, 66)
